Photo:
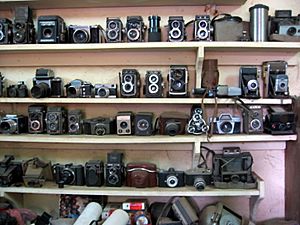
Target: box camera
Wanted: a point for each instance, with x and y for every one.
(202, 28)
(141, 175)
(129, 83)
(19, 90)
(105, 91)
(135, 29)
(197, 125)
(176, 29)
(37, 119)
(170, 178)
(253, 120)
(249, 82)
(1, 85)
(13, 124)
(114, 29)
(198, 177)
(154, 31)
(154, 84)
(99, 126)
(75, 121)
(226, 124)
(11, 172)
(94, 173)
(51, 29)
(6, 33)
(23, 27)
(143, 124)
(68, 174)
(56, 120)
(178, 81)
(84, 34)
(124, 122)
(115, 169)
(172, 123)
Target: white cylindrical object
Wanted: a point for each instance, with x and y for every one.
(91, 212)
(118, 217)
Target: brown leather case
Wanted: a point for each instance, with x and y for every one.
(210, 74)
(167, 117)
(141, 175)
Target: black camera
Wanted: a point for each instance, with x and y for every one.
(68, 174)
(86, 90)
(73, 88)
(170, 178)
(94, 173)
(19, 90)
(114, 169)
(51, 29)
(23, 27)
(6, 33)
(154, 84)
(56, 120)
(124, 122)
(176, 29)
(135, 29)
(225, 123)
(11, 172)
(249, 82)
(1, 85)
(37, 119)
(105, 91)
(75, 121)
(178, 81)
(198, 177)
(253, 120)
(202, 28)
(84, 34)
(129, 83)
(154, 31)
(13, 124)
(114, 29)
(99, 126)
(143, 124)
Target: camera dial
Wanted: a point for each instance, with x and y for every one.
(172, 181)
(199, 183)
(68, 176)
(81, 36)
(8, 126)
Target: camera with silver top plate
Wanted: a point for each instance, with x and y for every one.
(105, 90)
(84, 34)
(198, 177)
(225, 123)
(13, 124)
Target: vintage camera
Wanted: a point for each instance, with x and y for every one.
(94, 173)
(279, 121)
(198, 177)
(84, 34)
(86, 90)
(105, 91)
(73, 88)
(11, 172)
(202, 28)
(253, 120)
(6, 33)
(23, 27)
(114, 169)
(172, 123)
(1, 85)
(75, 121)
(154, 84)
(114, 29)
(56, 120)
(99, 126)
(178, 81)
(143, 124)
(13, 124)
(129, 83)
(249, 82)
(124, 122)
(226, 124)
(197, 125)
(135, 29)
(68, 174)
(225, 91)
(141, 175)
(176, 29)
(154, 31)
(19, 90)
(37, 119)
(170, 178)
(51, 29)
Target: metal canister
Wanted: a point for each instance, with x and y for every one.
(259, 22)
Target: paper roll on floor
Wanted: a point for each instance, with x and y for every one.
(118, 217)
(91, 212)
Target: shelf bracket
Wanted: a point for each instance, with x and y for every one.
(198, 65)
(196, 153)
(255, 200)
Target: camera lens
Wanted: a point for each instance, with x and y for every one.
(112, 34)
(128, 78)
(52, 117)
(175, 33)
(52, 126)
(8, 126)
(172, 181)
(123, 125)
(19, 26)
(172, 129)
(113, 179)
(19, 37)
(100, 130)
(177, 85)
(72, 91)
(235, 178)
(282, 84)
(199, 183)
(40, 90)
(202, 34)
(133, 34)
(81, 36)
(103, 92)
(175, 24)
(73, 127)
(153, 88)
(11, 92)
(128, 87)
(112, 25)
(292, 31)
(202, 24)
(1, 35)
(72, 119)
(35, 125)
(252, 85)
(153, 78)
(255, 124)
(143, 124)
(48, 32)
(226, 127)
(68, 176)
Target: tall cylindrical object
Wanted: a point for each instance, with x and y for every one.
(118, 217)
(91, 212)
(259, 22)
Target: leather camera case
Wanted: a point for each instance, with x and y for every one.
(141, 175)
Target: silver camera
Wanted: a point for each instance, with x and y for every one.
(124, 123)
(226, 124)
(105, 90)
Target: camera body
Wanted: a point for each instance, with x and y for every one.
(75, 121)
(197, 125)
(141, 175)
(171, 178)
(178, 78)
(154, 84)
(68, 174)
(13, 124)
(226, 124)
(56, 120)
(84, 34)
(172, 123)
(86, 90)
(94, 173)
(106, 91)
(129, 83)
(19, 90)
(198, 177)
(99, 126)
(135, 29)
(11, 172)
(6, 33)
(202, 28)
(51, 29)
(253, 120)
(249, 82)
(114, 29)
(114, 169)
(176, 29)
(37, 119)
(124, 122)
(143, 123)
(73, 88)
